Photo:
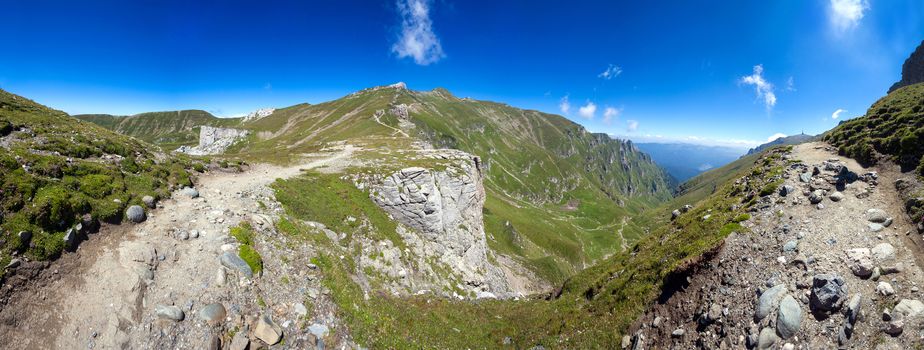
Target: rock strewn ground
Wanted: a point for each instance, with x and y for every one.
(807, 275)
(160, 284)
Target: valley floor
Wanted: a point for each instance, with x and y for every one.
(106, 294)
(853, 283)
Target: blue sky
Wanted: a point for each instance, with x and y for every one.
(714, 72)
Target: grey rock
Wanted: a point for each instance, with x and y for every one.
(626, 341)
(888, 222)
(194, 234)
(876, 215)
(769, 300)
(135, 214)
(854, 308)
(790, 246)
(805, 177)
(235, 263)
(766, 339)
(836, 197)
(828, 292)
(786, 190)
(910, 308)
(70, 238)
(874, 227)
(14, 263)
(221, 277)
(894, 323)
(148, 201)
(214, 313)
(675, 214)
(182, 235)
(883, 252)
(789, 317)
(189, 192)
(300, 309)
(884, 288)
(267, 330)
(861, 261)
(169, 312)
(678, 333)
(816, 197)
(239, 341)
(657, 322)
(24, 237)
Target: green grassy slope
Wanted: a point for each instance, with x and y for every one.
(594, 307)
(167, 129)
(557, 194)
(55, 169)
(893, 127)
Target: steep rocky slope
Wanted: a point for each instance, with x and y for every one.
(912, 69)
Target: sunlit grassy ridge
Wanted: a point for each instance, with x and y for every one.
(593, 309)
(167, 129)
(54, 169)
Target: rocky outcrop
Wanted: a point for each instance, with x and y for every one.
(214, 140)
(259, 114)
(912, 69)
(442, 207)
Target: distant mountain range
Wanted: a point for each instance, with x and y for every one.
(684, 160)
(788, 140)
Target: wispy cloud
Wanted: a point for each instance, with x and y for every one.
(790, 84)
(610, 113)
(763, 87)
(588, 110)
(417, 39)
(775, 136)
(267, 86)
(837, 113)
(631, 125)
(611, 72)
(846, 14)
(564, 105)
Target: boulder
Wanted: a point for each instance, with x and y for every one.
(149, 201)
(876, 215)
(786, 190)
(909, 307)
(189, 192)
(816, 196)
(135, 214)
(169, 312)
(883, 252)
(213, 313)
(854, 308)
(675, 214)
(267, 331)
(884, 288)
(70, 238)
(766, 339)
(828, 292)
(861, 261)
(789, 317)
(805, 177)
(769, 300)
(235, 263)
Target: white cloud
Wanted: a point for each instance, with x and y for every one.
(763, 87)
(417, 39)
(610, 72)
(775, 136)
(846, 14)
(609, 113)
(564, 106)
(631, 125)
(837, 113)
(588, 110)
(790, 85)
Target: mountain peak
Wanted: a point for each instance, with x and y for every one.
(912, 69)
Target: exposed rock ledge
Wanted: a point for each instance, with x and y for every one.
(443, 209)
(214, 140)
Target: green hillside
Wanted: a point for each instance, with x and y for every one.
(557, 194)
(592, 310)
(893, 127)
(57, 171)
(168, 129)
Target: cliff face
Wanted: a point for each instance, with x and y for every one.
(443, 209)
(912, 69)
(214, 140)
